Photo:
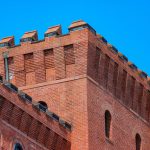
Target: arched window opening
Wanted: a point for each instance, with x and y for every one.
(42, 105)
(18, 147)
(138, 142)
(107, 123)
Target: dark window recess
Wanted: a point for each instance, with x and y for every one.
(55, 117)
(11, 87)
(104, 40)
(133, 66)
(68, 126)
(52, 115)
(49, 58)
(42, 106)
(114, 49)
(65, 124)
(25, 96)
(28, 56)
(48, 52)
(1, 101)
(1, 79)
(69, 54)
(51, 34)
(143, 75)
(107, 123)
(18, 147)
(123, 57)
(10, 60)
(4, 44)
(27, 39)
(138, 142)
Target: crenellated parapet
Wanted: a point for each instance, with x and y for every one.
(55, 31)
(80, 52)
(121, 78)
(122, 58)
(55, 57)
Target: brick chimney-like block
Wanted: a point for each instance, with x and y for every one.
(53, 31)
(29, 36)
(7, 42)
(77, 24)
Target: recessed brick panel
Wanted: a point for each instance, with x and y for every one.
(29, 62)
(39, 67)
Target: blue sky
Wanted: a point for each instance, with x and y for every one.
(124, 23)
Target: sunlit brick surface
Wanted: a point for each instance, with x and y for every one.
(80, 76)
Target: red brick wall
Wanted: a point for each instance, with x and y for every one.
(114, 75)
(116, 88)
(68, 99)
(20, 121)
(10, 136)
(125, 123)
(79, 80)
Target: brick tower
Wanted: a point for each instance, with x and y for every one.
(85, 94)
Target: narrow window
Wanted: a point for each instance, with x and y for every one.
(43, 106)
(138, 142)
(107, 123)
(18, 147)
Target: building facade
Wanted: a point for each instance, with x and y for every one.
(72, 91)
